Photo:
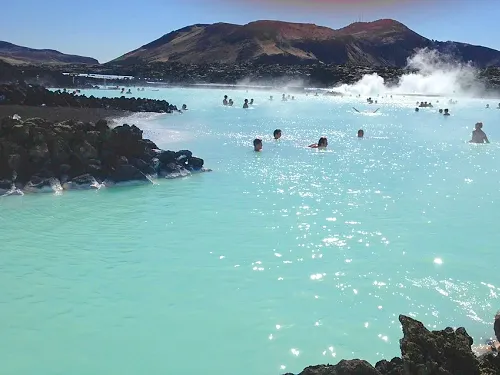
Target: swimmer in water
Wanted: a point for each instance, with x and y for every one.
(496, 326)
(257, 144)
(487, 106)
(366, 111)
(495, 344)
(225, 102)
(441, 111)
(361, 133)
(184, 107)
(245, 105)
(230, 103)
(251, 101)
(283, 98)
(446, 112)
(271, 98)
(417, 109)
(277, 134)
(322, 143)
(478, 135)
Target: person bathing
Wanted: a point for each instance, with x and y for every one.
(478, 135)
(322, 143)
(257, 144)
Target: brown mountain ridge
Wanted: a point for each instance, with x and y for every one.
(384, 42)
(18, 55)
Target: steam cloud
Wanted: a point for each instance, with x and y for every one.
(438, 74)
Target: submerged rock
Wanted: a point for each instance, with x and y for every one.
(424, 352)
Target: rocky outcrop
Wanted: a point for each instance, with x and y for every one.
(423, 352)
(38, 155)
(34, 95)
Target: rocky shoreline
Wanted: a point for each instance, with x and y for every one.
(311, 74)
(37, 155)
(34, 95)
(423, 352)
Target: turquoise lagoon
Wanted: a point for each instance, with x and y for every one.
(272, 262)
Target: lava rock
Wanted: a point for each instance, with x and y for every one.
(39, 154)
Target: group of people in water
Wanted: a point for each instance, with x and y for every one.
(478, 135)
(229, 102)
(322, 143)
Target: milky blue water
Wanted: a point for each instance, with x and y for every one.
(272, 262)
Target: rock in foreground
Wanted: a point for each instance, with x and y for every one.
(38, 155)
(423, 352)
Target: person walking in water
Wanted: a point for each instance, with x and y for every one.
(478, 135)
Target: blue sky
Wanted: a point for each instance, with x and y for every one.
(106, 29)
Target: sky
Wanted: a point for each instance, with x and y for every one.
(107, 29)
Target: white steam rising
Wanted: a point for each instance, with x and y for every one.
(438, 74)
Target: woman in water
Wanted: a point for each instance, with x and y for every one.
(257, 144)
(322, 143)
(361, 133)
(478, 135)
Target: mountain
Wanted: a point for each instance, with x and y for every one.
(18, 55)
(384, 42)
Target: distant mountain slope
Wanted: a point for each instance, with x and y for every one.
(384, 42)
(18, 55)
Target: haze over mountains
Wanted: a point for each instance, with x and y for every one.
(384, 42)
(19, 55)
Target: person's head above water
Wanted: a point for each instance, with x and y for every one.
(361, 133)
(323, 142)
(416, 109)
(277, 134)
(440, 111)
(257, 144)
(479, 125)
(496, 326)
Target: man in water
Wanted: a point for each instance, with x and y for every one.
(478, 135)
(446, 112)
(495, 345)
(496, 326)
(245, 105)
(277, 134)
(361, 133)
(224, 102)
(257, 145)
